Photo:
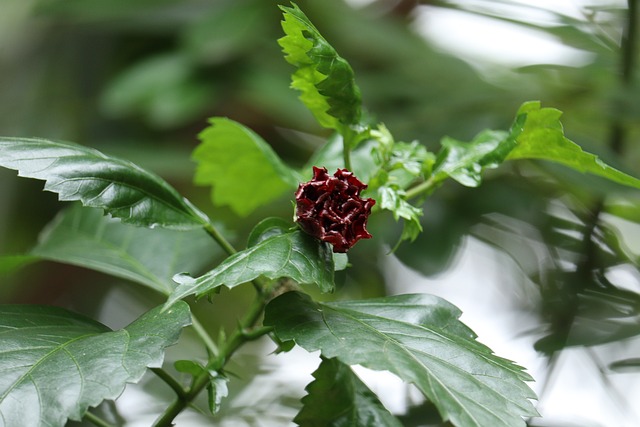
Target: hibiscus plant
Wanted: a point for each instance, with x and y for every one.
(58, 365)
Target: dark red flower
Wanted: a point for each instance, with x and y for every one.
(331, 209)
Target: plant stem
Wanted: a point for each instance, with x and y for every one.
(423, 187)
(219, 238)
(94, 419)
(171, 382)
(204, 336)
(241, 335)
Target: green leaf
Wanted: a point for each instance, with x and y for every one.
(56, 363)
(325, 79)
(541, 137)
(337, 397)
(294, 254)
(465, 162)
(242, 168)
(393, 199)
(121, 188)
(86, 238)
(217, 390)
(420, 339)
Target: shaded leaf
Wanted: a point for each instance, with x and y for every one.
(241, 167)
(86, 238)
(325, 79)
(120, 187)
(337, 397)
(57, 363)
(293, 254)
(420, 339)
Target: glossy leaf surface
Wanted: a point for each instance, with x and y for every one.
(325, 79)
(338, 397)
(56, 363)
(120, 187)
(293, 254)
(241, 167)
(420, 339)
(86, 238)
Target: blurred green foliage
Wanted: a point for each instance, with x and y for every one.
(140, 78)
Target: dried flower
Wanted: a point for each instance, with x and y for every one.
(330, 208)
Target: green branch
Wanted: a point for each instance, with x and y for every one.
(245, 332)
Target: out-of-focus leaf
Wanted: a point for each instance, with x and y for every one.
(161, 89)
(86, 238)
(12, 263)
(241, 167)
(325, 79)
(56, 363)
(420, 339)
(337, 397)
(542, 137)
(294, 254)
(626, 365)
(121, 188)
(228, 30)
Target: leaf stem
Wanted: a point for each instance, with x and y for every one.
(219, 238)
(204, 336)
(171, 382)
(243, 333)
(422, 188)
(94, 419)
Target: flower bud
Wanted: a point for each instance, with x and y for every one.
(330, 208)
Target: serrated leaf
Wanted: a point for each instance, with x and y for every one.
(392, 199)
(465, 162)
(420, 339)
(294, 254)
(120, 187)
(541, 137)
(338, 397)
(56, 363)
(325, 79)
(241, 167)
(86, 238)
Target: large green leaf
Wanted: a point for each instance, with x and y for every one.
(120, 187)
(55, 364)
(420, 339)
(86, 238)
(337, 397)
(535, 134)
(325, 79)
(542, 137)
(242, 168)
(292, 254)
